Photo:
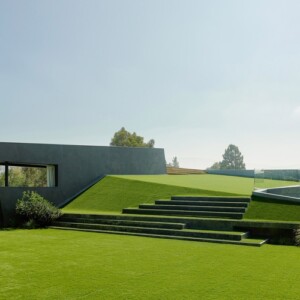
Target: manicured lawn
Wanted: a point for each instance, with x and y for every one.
(270, 209)
(112, 194)
(216, 183)
(53, 264)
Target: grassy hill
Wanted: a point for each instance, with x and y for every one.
(271, 209)
(219, 183)
(113, 193)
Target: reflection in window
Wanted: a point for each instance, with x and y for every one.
(19, 176)
(2, 175)
(27, 175)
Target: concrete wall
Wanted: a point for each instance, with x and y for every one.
(78, 167)
(288, 193)
(240, 173)
(290, 175)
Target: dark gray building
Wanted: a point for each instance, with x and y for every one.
(71, 169)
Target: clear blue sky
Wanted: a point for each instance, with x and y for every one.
(194, 75)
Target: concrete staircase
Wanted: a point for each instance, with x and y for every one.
(222, 207)
(183, 218)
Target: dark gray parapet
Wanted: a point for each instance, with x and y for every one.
(286, 193)
(288, 174)
(240, 173)
(77, 168)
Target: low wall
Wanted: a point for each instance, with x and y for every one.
(77, 168)
(240, 173)
(288, 174)
(288, 193)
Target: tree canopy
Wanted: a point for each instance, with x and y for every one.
(215, 166)
(232, 159)
(124, 138)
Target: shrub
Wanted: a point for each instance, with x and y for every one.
(35, 210)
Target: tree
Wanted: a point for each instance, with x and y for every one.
(232, 159)
(215, 166)
(174, 163)
(124, 138)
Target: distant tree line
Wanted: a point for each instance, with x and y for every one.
(174, 163)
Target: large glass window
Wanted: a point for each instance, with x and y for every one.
(27, 176)
(21, 175)
(2, 175)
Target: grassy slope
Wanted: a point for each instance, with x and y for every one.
(112, 194)
(53, 264)
(221, 183)
(270, 209)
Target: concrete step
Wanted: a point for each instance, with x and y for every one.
(202, 203)
(138, 223)
(204, 198)
(244, 242)
(197, 222)
(194, 208)
(188, 233)
(170, 212)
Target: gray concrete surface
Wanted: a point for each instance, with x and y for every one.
(78, 167)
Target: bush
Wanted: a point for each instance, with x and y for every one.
(35, 210)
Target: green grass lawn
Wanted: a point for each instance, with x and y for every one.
(113, 193)
(270, 209)
(216, 183)
(53, 264)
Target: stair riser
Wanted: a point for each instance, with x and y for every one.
(194, 208)
(181, 213)
(201, 203)
(220, 199)
(123, 223)
(152, 231)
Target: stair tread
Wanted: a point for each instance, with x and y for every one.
(126, 216)
(187, 202)
(215, 231)
(212, 198)
(249, 242)
(197, 206)
(90, 220)
(163, 229)
(191, 211)
(119, 226)
(203, 233)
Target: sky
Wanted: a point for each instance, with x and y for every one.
(195, 76)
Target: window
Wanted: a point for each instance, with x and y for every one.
(2, 175)
(24, 175)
